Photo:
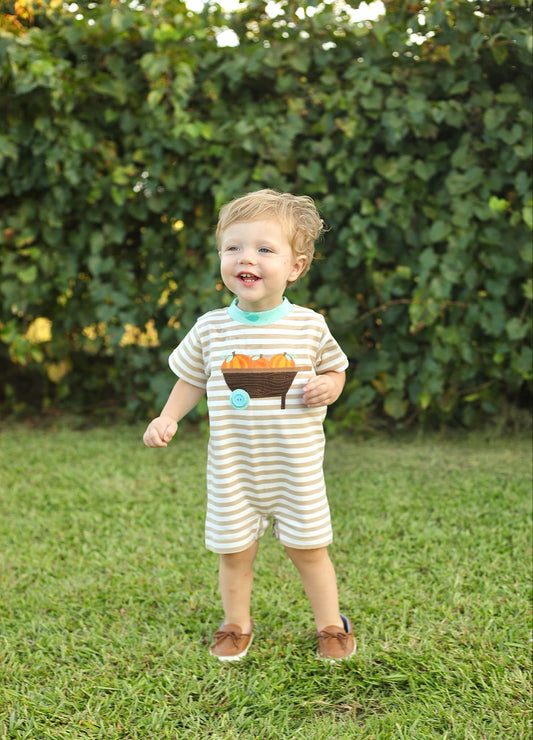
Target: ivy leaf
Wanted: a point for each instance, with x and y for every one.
(516, 329)
(439, 231)
(527, 215)
(395, 405)
(498, 204)
(28, 274)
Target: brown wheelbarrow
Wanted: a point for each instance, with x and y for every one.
(259, 382)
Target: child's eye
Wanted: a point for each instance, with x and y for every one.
(265, 249)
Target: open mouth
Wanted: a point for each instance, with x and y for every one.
(248, 278)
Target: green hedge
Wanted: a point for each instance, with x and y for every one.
(124, 130)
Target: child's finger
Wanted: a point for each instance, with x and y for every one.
(152, 438)
(311, 385)
(170, 431)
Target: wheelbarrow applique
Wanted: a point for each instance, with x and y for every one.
(259, 377)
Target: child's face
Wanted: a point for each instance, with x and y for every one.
(257, 262)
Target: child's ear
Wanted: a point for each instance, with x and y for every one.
(299, 265)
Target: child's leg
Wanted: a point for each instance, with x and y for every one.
(235, 577)
(318, 577)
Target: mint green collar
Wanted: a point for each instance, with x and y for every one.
(259, 318)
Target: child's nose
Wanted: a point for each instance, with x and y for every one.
(247, 256)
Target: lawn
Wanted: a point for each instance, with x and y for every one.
(108, 598)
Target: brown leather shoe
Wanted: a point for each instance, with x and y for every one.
(230, 643)
(335, 643)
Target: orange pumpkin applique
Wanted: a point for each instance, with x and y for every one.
(260, 361)
(236, 360)
(282, 360)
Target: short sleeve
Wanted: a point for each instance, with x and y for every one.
(330, 357)
(187, 360)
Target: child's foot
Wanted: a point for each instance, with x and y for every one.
(231, 643)
(335, 643)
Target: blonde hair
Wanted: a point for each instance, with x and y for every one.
(297, 215)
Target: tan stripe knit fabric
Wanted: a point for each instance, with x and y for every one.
(265, 459)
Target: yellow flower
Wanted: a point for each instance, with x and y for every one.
(56, 371)
(134, 335)
(94, 331)
(40, 330)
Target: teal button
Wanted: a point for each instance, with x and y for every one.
(252, 316)
(239, 399)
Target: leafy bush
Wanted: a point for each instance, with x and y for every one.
(125, 130)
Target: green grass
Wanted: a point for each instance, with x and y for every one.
(108, 598)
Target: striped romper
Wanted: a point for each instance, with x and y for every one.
(266, 449)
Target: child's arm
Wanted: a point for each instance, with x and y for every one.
(183, 397)
(324, 389)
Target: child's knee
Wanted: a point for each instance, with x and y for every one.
(308, 558)
(239, 560)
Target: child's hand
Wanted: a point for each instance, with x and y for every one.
(322, 390)
(160, 431)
